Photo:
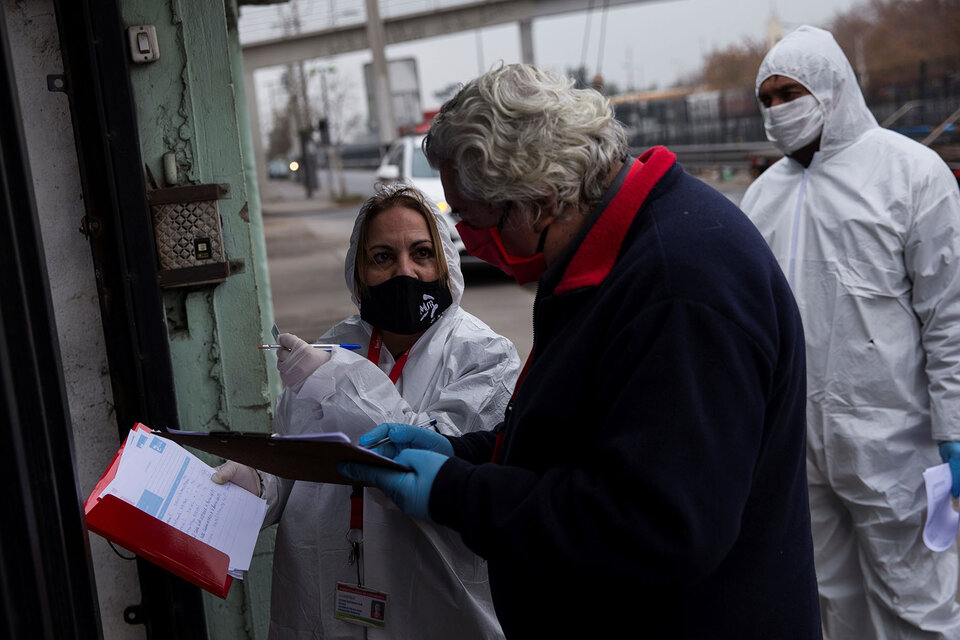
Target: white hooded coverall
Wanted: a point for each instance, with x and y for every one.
(869, 237)
(459, 373)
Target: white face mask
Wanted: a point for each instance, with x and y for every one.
(793, 125)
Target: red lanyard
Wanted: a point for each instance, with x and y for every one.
(373, 355)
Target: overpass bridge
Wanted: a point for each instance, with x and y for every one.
(369, 31)
(427, 23)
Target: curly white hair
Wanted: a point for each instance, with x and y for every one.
(523, 135)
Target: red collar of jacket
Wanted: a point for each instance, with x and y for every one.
(599, 249)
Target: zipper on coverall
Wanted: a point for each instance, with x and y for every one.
(795, 231)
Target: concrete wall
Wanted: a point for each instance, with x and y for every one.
(259, 576)
(186, 105)
(34, 43)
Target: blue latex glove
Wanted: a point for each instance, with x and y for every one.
(405, 436)
(410, 490)
(950, 452)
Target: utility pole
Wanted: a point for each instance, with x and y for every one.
(381, 80)
(328, 140)
(480, 68)
(526, 42)
(300, 104)
(325, 137)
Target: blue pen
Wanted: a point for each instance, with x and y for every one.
(385, 440)
(346, 345)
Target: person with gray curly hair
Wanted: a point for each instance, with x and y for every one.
(556, 146)
(651, 459)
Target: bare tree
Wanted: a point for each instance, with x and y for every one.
(337, 97)
(733, 67)
(279, 144)
(891, 42)
(900, 41)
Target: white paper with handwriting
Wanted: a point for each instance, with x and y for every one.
(162, 478)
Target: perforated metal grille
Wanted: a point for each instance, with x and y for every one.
(180, 226)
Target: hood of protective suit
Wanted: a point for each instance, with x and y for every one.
(814, 59)
(449, 252)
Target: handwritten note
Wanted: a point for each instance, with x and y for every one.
(163, 479)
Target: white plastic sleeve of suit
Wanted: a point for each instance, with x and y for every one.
(356, 396)
(289, 412)
(932, 258)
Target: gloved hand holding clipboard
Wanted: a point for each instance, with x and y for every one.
(312, 456)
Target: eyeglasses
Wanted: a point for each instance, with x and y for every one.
(485, 217)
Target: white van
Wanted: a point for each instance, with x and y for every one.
(405, 162)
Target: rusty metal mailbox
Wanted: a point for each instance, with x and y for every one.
(189, 237)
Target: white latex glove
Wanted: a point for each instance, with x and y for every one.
(298, 360)
(239, 474)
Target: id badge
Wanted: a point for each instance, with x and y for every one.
(359, 605)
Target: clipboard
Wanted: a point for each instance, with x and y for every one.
(313, 458)
(154, 540)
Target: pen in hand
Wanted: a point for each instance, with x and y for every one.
(352, 347)
(386, 439)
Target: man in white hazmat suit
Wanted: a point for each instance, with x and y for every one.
(866, 225)
(459, 373)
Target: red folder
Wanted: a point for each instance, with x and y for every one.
(154, 540)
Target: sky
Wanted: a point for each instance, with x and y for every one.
(635, 46)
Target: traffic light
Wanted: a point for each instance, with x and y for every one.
(324, 127)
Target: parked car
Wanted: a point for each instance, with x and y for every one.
(406, 163)
(279, 169)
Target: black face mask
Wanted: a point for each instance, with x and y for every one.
(404, 305)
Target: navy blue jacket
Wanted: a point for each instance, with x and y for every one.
(652, 471)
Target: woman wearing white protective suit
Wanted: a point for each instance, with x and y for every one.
(424, 359)
(866, 225)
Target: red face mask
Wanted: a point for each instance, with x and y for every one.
(487, 245)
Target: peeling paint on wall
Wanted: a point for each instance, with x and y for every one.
(187, 105)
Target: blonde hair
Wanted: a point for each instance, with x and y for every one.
(524, 135)
(388, 196)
